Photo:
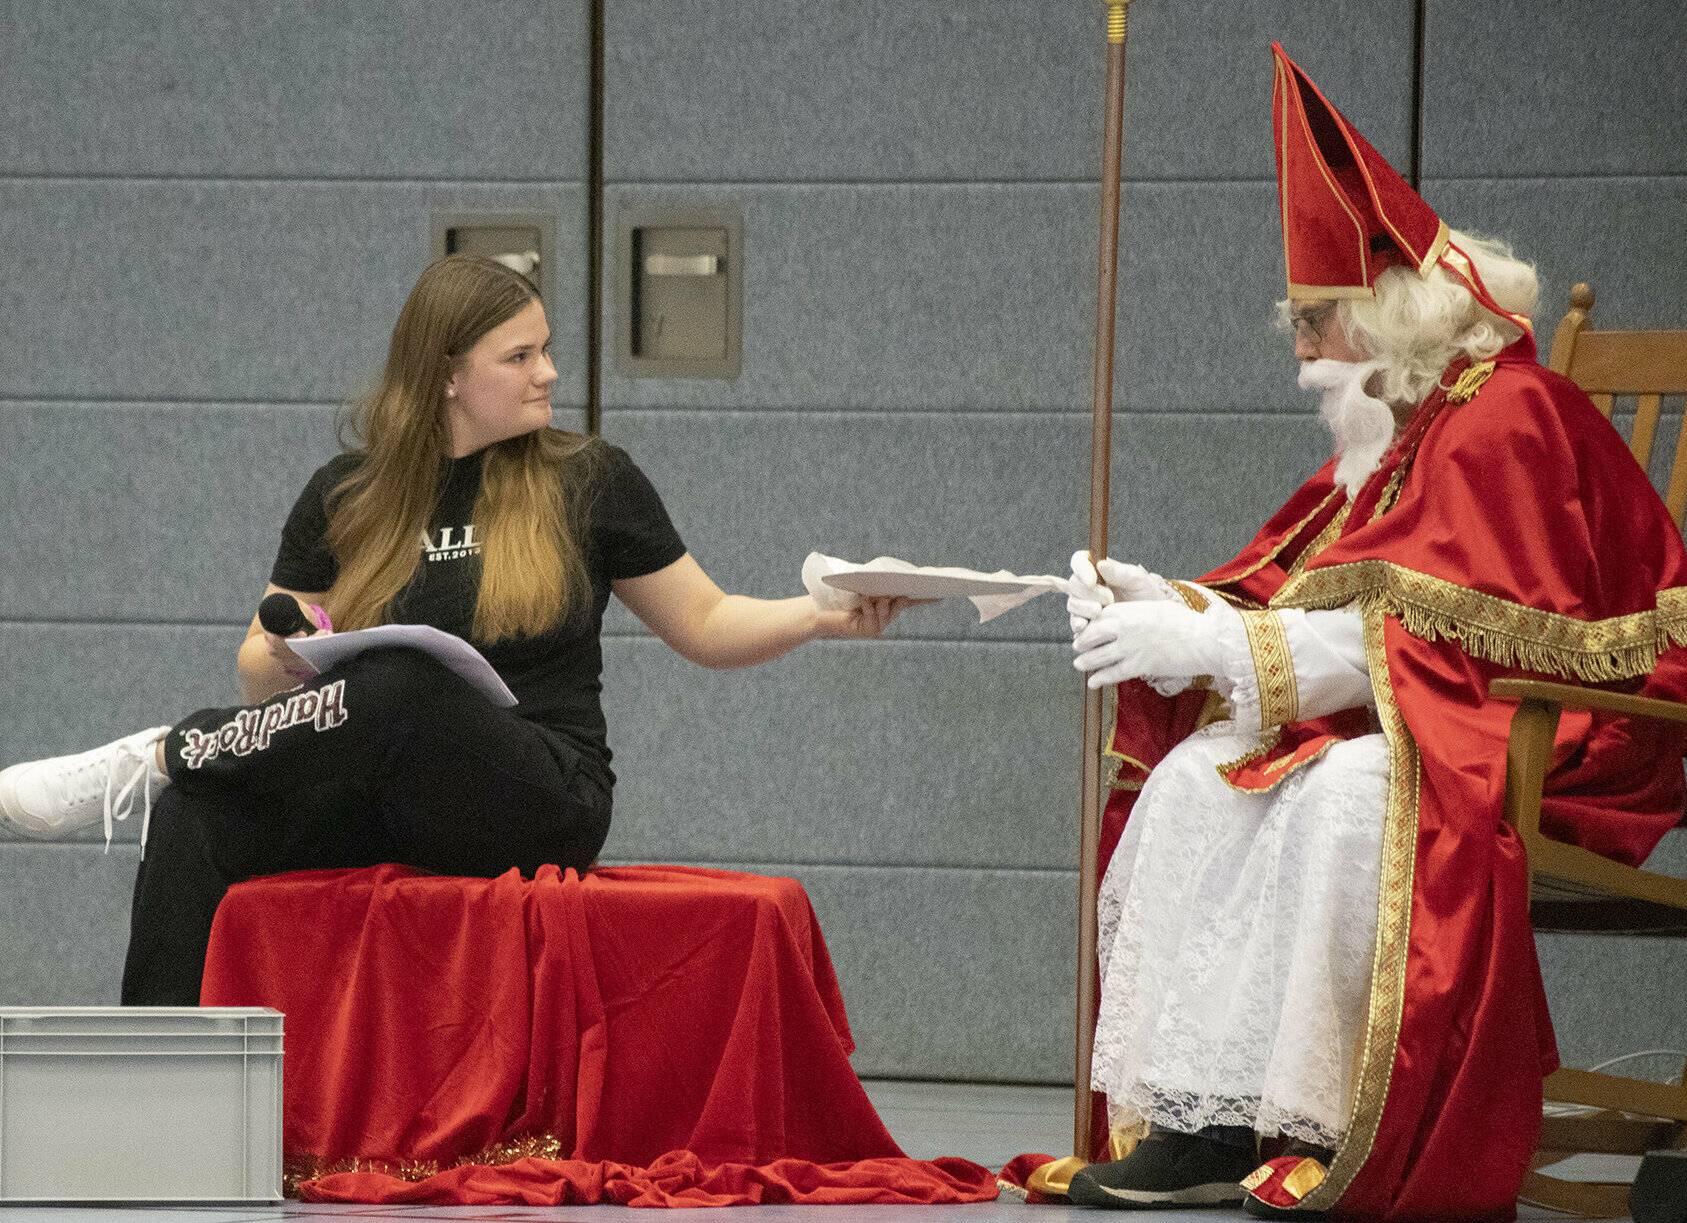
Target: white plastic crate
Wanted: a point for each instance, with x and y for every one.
(140, 1104)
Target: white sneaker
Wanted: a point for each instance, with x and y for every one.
(47, 798)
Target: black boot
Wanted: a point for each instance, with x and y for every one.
(1169, 1169)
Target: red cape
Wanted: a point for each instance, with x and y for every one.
(1508, 532)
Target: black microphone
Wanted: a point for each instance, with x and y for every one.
(281, 614)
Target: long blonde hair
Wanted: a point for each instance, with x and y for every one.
(527, 514)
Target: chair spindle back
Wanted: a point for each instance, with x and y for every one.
(1648, 365)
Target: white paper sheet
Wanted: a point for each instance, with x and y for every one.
(836, 584)
(325, 649)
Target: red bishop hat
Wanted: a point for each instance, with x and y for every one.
(1347, 213)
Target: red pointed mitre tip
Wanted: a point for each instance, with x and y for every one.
(1347, 214)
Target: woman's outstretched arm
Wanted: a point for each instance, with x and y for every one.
(682, 605)
(265, 663)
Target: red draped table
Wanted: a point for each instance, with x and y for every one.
(653, 1035)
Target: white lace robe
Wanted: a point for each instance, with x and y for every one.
(1236, 929)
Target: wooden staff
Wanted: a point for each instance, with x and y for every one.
(1101, 456)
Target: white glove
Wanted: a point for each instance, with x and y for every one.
(1145, 638)
(1086, 595)
(1087, 592)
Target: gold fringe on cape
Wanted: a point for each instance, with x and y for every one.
(1498, 630)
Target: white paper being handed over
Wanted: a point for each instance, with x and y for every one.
(325, 649)
(836, 584)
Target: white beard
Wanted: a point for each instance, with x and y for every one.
(1362, 426)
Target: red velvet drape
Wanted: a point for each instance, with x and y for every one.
(660, 1035)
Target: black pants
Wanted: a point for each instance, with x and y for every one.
(388, 757)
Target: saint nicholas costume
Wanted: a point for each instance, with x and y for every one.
(1314, 920)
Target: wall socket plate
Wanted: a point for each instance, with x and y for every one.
(679, 291)
(502, 233)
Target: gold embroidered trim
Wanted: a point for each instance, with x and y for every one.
(1324, 538)
(1394, 927)
(309, 1167)
(1289, 538)
(1266, 744)
(1236, 600)
(1466, 385)
(1191, 596)
(1216, 709)
(1308, 1174)
(1390, 491)
(1290, 765)
(1009, 1189)
(1116, 760)
(1495, 629)
(1274, 669)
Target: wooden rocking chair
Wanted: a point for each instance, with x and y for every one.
(1573, 889)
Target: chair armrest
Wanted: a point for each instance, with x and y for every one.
(1574, 696)
(1529, 756)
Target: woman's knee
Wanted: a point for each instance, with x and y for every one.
(398, 678)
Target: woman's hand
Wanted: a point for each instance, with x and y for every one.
(683, 606)
(868, 618)
(266, 663)
(282, 655)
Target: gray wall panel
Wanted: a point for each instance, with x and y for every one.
(754, 492)
(1581, 88)
(419, 89)
(64, 923)
(236, 290)
(982, 297)
(70, 687)
(928, 90)
(149, 511)
(1624, 236)
(1609, 997)
(952, 974)
(945, 754)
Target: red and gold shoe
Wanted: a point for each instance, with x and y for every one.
(1276, 1188)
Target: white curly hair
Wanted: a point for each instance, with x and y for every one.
(1415, 326)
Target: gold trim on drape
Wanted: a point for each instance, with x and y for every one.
(309, 1167)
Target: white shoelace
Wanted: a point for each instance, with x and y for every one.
(129, 770)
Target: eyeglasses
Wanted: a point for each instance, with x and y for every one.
(1309, 324)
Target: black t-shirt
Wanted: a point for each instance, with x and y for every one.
(556, 675)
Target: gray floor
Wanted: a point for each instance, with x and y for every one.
(986, 1123)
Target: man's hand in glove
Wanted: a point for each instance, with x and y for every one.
(1089, 591)
(1144, 638)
